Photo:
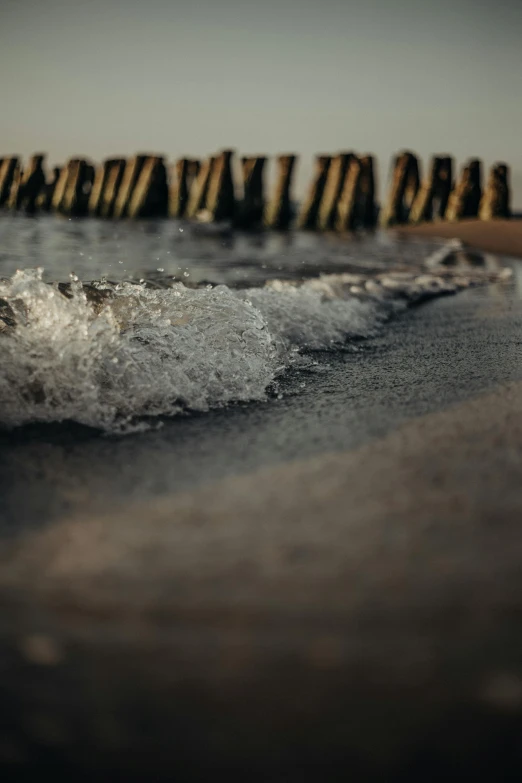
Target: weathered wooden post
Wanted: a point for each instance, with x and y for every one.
(70, 193)
(333, 189)
(7, 173)
(366, 210)
(221, 200)
(82, 204)
(116, 169)
(495, 202)
(432, 199)
(45, 197)
(199, 190)
(13, 201)
(150, 194)
(131, 173)
(32, 183)
(356, 205)
(347, 204)
(194, 167)
(278, 212)
(100, 178)
(97, 196)
(310, 208)
(179, 189)
(250, 210)
(465, 197)
(59, 189)
(403, 189)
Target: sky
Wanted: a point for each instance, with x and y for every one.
(102, 78)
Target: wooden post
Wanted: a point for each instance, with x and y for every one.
(82, 205)
(495, 202)
(45, 197)
(356, 205)
(193, 170)
(13, 200)
(432, 199)
(150, 195)
(7, 172)
(116, 169)
(221, 200)
(179, 189)
(278, 213)
(70, 194)
(100, 178)
(132, 171)
(310, 209)
(465, 197)
(32, 184)
(59, 189)
(333, 189)
(348, 200)
(252, 206)
(365, 210)
(97, 197)
(199, 190)
(403, 189)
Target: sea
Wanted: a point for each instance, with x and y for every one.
(138, 358)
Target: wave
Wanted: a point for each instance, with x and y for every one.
(111, 356)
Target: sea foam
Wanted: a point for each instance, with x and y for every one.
(134, 352)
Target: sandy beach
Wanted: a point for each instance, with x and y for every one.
(499, 236)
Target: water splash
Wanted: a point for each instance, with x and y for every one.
(111, 356)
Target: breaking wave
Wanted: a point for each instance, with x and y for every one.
(111, 356)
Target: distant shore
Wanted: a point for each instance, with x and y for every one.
(496, 236)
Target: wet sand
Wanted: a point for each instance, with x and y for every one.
(499, 236)
(358, 611)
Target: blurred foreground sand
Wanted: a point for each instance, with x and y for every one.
(358, 611)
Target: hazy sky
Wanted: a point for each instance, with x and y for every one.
(102, 77)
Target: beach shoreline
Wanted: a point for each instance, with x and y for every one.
(354, 610)
(495, 236)
(327, 584)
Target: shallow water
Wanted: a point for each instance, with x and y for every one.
(449, 350)
(162, 250)
(293, 402)
(158, 340)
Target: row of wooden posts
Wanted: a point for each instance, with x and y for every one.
(341, 195)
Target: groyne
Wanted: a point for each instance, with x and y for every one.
(340, 197)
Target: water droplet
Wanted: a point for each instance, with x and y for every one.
(180, 230)
(186, 274)
(160, 269)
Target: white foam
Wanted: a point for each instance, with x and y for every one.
(144, 352)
